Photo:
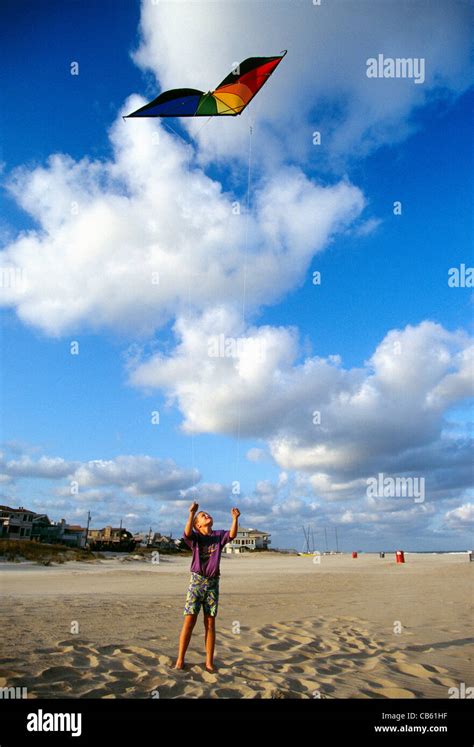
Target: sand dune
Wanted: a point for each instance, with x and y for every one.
(275, 637)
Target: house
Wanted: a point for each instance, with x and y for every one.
(141, 538)
(248, 539)
(72, 534)
(58, 532)
(164, 541)
(111, 538)
(21, 523)
(156, 539)
(16, 523)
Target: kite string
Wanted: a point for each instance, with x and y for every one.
(202, 126)
(247, 222)
(188, 276)
(165, 124)
(247, 218)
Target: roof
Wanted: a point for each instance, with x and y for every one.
(252, 531)
(21, 509)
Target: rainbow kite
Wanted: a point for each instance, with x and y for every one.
(230, 97)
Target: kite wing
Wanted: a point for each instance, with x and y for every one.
(229, 98)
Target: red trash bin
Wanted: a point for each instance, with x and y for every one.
(400, 556)
(354, 554)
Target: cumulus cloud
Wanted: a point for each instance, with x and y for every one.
(136, 475)
(461, 517)
(317, 416)
(45, 467)
(322, 82)
(128, 244)
(166, 236)
(139, 475)
(211, 495)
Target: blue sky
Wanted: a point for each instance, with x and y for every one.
(384, 277)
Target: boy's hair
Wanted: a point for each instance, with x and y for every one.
(196, 517)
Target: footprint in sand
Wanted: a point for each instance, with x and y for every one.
(414, 670)
(397, 692)
(209, 676)
(58, 673)
(370, 663)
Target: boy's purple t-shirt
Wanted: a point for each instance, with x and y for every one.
(207, 550)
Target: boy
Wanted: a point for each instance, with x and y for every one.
(206, 545)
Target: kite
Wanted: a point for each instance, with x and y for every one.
(229, 98)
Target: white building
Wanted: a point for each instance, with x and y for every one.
(16, 523)
(248, 539)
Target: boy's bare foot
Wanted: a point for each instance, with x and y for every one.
(180, 665)
(210, 668)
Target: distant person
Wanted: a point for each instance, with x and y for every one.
(206, 545)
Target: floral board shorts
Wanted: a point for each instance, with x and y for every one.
(203, 591)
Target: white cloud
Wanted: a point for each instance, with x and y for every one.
(136, 475)
(128, 244)
(461, 517)
(44, 467)
(388, 414)
(211, 495)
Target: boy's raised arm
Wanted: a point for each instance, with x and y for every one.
(189, 524)
(235, 523)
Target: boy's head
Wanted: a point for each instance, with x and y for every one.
(201, 520)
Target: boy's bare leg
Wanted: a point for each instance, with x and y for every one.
(185, 636)
(210, 640)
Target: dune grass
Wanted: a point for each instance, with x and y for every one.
(43, 553)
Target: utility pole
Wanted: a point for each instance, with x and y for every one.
(87, 528)
(326, 538)
(337, 543)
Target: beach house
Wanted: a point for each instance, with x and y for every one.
(58, 532)
(24, 524)
(16, 523)
(111, 538)
(248, 539)
(156, 539)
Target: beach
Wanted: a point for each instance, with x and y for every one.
(287, 626)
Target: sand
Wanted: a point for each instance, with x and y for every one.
(287, 627)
